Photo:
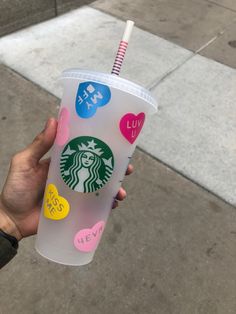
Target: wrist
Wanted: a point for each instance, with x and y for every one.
(8, 226)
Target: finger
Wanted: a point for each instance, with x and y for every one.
(129, 170)
(115, 204)
(121, 195)
(43, 142)
(45, 161)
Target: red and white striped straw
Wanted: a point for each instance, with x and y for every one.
(122, 48)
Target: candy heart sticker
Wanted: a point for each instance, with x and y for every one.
(86, 240)
(131, 125)
(89, 97)
(63, 127)
(55, 207)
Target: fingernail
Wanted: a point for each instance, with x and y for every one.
(47, 124)
(124, 193)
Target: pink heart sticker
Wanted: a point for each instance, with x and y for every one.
(131, 125)
(86, 240)
(63, 127)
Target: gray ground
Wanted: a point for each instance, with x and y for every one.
(170, 247)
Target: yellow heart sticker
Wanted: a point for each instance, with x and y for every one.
(55, 206)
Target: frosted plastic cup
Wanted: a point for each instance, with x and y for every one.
(101, 116)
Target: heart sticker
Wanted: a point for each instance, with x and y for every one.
(86, 240)
(63, 127)
(55, 206)
(89, 97)
(131, 125)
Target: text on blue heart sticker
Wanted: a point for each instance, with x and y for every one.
(90, 96)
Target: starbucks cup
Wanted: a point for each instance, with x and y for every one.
(100, 119)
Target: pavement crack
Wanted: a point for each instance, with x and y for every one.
(219, 34)
(154, 84)
(221, 5)
(55, 5)
(209, 42)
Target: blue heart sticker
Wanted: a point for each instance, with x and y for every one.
(90, 96)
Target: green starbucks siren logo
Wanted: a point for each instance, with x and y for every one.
(86, 164)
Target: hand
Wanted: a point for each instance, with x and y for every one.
(121, 195)
(22, 195)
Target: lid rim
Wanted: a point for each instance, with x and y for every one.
(113, 81)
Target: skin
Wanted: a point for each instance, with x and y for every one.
(22, 195)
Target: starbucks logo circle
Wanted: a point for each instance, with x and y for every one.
(86, 164)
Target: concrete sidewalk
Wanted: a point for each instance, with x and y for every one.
(170, 248)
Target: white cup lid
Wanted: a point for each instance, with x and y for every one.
(112, 81)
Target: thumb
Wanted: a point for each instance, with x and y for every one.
(42, 142)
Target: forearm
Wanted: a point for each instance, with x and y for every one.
(7, 225)
(9, 235)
